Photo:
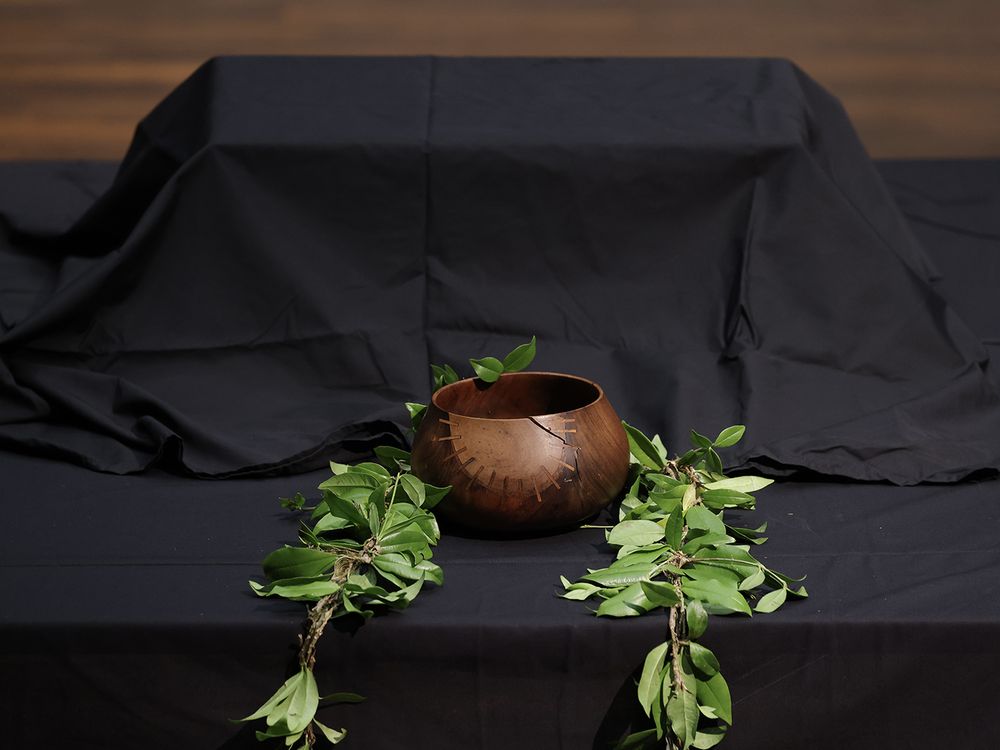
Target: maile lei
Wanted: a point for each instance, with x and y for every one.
(677, 554)
(367, 545)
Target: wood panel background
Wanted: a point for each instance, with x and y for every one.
(919, 77)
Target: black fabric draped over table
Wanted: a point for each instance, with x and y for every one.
(290, 242)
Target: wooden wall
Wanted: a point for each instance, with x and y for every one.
(920, 78)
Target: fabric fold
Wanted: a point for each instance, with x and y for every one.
(290, 241)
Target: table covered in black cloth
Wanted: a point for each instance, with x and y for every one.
(852, 337)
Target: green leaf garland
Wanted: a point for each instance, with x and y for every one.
(368, 549)
(676, 554)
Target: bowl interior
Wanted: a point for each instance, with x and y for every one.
(517, 395)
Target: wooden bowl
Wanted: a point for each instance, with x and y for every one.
(532, 451)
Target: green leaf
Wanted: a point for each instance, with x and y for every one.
(709, 539)
(713, 462)
(399, 516)
(628, 551)
(659, 714)
(416, 412)
(376, 508)
(342, 508)
(352, 486)
(426, 521)
(336, 546)
(640, 557)
(321, 508)
(334, 698)
(631, 601)
(642, 449)
(752, 581)
(699, 517)
(689, 458)
(443, 376)
(672, 569)
(714, 692)
(638, 533)
(750, 536)
(729, 436)
(402, 598)
(339, 468)
(781, 577)
(719, 499)
(377, 471)
(520, 358)
(297, 562)
(690, 497)
(741, 484)
(662, 480)
(308, 589)
(697, 619)
(666, 502)
(708, 571)
(293, 503)
(661, 449)
(579, 592)
(488, 369)
(704, 660)
(279, 695)
(398, 565)
(682, 710)
(333, 736)
(652, 677)
(700, 441)
(413, 488)
(433, 495)
(709, 737)
(770, 602)
(303, 703)
(633, 490)
(350, 608)
(639, 512)
(409, 538)
(392, 457)
(330, 522)
(674, 529)
(358, 583)
(659, 593)
(279, 731)
(718, 596)
(405, 516)
(619, 576)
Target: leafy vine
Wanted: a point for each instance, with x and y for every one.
(676, 552)
(366, 547)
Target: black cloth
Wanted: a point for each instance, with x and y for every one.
(126, 621)
(290, 242)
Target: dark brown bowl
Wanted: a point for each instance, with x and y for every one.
(532, 451)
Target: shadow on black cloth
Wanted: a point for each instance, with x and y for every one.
(623, 716)
(289, 242)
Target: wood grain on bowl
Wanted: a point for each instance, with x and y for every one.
(533, 451)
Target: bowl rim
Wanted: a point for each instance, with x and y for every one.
(600, 396)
